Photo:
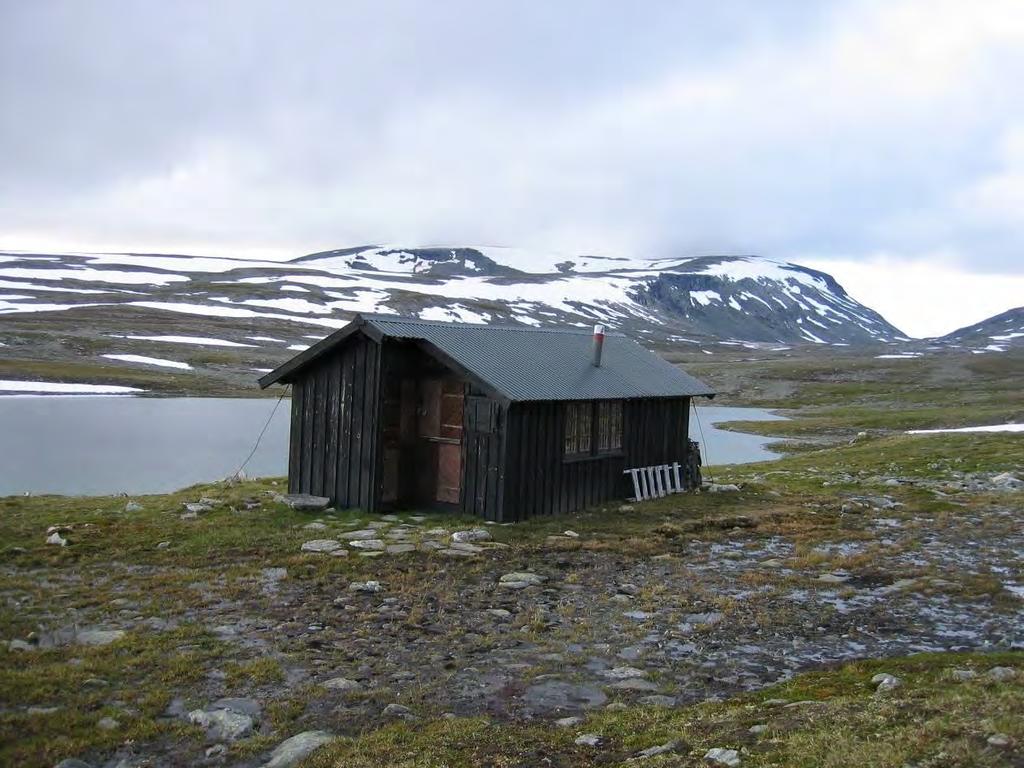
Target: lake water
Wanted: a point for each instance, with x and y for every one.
(105, 445)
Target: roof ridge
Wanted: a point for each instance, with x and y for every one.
(375, 317)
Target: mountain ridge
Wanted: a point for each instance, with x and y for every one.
(738, 298)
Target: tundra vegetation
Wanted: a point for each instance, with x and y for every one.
(856, 603)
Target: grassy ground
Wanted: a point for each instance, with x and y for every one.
(819, 720)
(171, 600)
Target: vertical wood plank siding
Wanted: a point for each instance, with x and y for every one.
(513, 466)
(335, 415)
(537, 479)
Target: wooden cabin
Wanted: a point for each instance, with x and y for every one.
(503, 422)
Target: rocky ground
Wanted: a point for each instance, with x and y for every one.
(219, 627)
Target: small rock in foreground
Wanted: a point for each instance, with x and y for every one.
(57, 539)
(661, 749)
(321, 545)
(723, 756)
(885, 682)
(520, 580)
(341, 684)
(303, 502)
(587, 740)
(1002, 674)
(473, 534)
(365, 586)
(291, 752)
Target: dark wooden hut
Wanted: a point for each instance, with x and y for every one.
(504, 422)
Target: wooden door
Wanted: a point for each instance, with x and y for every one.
(439, 424)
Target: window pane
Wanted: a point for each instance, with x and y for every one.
(583, 419)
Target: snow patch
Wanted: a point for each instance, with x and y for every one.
(7, 385)
(150, 361)
(990, 428)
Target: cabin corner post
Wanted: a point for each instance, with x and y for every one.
(381, 369)
(295, 439)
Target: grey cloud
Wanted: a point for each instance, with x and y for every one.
(661, 126)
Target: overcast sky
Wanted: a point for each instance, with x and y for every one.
(881, 141)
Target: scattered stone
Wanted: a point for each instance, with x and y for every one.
(773, 562)
(397, 712)
(723, 756)
(458, 552)
(222, 724)
(98, 636)
(499, 613)
(568, 722)
(758, 729)
(400, 549)
(369, 545)
(635, 684)
(885, 682)
(721, 488)
(163, 545)
(587, 740)
(661, 749)
(473, 534)
(999, 740)
(623, 673)
(321, 545)
(366, 586)
(316, 525)
(465, 546)
(657, 701)
(571, 534)
(627, 508)
(1002, 674)
(108, 724)
(561, 696)
(360, 535)
(303, 502)
(73, 762)
(628, 589)
(274, 574)
(20, 645)
(833, 578)
(963, 675)
(638, 615)
(291, 752)
(521, 580)
(239, 705)
(775, 702)
(341, 684)
(132, 506)
(57, 539)
(197, 508)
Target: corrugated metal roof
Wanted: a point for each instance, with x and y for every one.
(524, 363)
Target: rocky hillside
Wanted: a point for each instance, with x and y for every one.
(733, 299)
(996, 334)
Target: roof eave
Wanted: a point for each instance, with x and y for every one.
(284, 372)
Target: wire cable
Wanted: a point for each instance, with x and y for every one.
(263, 431)
(703, 442)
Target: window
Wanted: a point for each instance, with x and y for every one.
(609, 426)
(578, 419)
(593, 428)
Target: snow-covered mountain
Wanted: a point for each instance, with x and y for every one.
(726, 299)
(1000, 333)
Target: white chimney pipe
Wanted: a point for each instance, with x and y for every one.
(598, 344)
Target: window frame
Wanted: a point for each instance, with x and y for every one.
(615, 410)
